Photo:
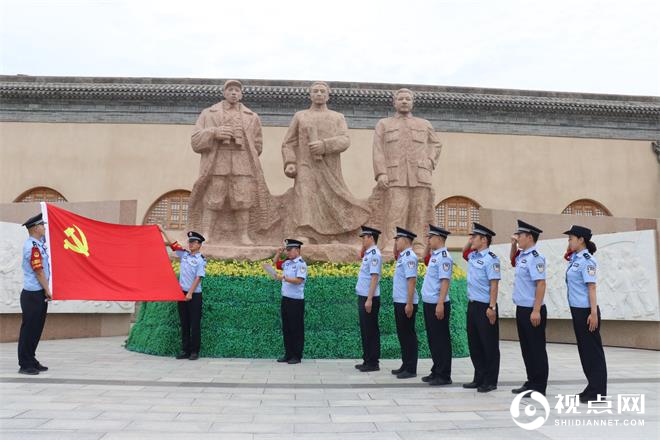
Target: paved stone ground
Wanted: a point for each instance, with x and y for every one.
(95, 389)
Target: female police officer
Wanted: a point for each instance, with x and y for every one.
(581, 284)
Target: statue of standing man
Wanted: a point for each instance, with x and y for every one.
(231, 189)
(405, 153)
(322, 205)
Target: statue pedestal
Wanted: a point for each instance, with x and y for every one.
(336, 252)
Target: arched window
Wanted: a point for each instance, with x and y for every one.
(40, 194)
(170, 210)
(456, 214)
(586, 207)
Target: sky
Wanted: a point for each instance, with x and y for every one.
(557, 45)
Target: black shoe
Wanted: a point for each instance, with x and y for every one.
(360, 366)
(428, 378)
(194, 356)
(293, 361)
(522, 389)
(283, 359)
(397, 371)
(28, 370)
(405, 375)
(368, 368)
(41, 367)
(438, 381)
(471, 385)
(585, 398)
(183, 355)
(486, 388)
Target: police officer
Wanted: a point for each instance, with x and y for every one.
(292, 306)
(191, 272)
(437, 307)
(482, 324)
(531, 313)
(581, 283)
(404, 294)
(35, 295)
(368, 296)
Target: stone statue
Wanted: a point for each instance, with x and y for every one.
(405, 153)
(322, 207)
(231, 189)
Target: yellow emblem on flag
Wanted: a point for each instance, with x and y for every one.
(80, 246)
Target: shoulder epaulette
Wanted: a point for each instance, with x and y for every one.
(492, 254)
(407, 252)
(536, 254)
(586, 255)
(444, 253)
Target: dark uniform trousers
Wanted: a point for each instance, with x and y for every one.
(190, 315)
(293, 326)
(33, 309)
(484, 343)
(532, 346)
(592, 356)
(369, 330)
(437, 332)
(405, 330)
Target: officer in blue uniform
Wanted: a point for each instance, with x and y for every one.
(482, 316)
(404, 295)
(581, 283)
(531, 313)
(191, 272)
(368, 299)
(292, 307)
(437, 306)
(35, 295)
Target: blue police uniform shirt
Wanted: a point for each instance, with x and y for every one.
(581, 271)
(406, 267)
(372, 263)
(30, 281)
(440, 268)
(192, 266)
(530, 268)
(296, 268)
(483, 267)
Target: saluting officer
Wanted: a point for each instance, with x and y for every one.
(437, 306)
(531, 313)
(292, 307)
(191, 272)
(404, 294)
(35, 295)
(368, 294)
(482, 324)
(581, 283)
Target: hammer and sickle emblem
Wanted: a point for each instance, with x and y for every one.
(80, 245)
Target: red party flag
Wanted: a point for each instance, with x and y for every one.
(93, 260)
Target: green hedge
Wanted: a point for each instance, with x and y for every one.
(241, 318)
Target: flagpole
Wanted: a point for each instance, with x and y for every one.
(44, 213)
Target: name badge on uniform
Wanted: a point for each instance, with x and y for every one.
(480, 262)
(433, 260)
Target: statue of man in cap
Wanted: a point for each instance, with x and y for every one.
(323, 206)
(231, 182)
(405, 153)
